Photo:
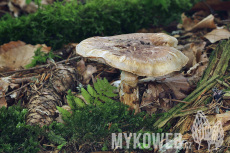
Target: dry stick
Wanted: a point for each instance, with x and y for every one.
(180, 101)
(201, 100)
(193, 108)
(184, 113)
(39, 67)
(21, 80)
(191, 111)
(223, 83)
(15, 90)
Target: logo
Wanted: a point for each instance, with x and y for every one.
(162, 141)
(202, 130)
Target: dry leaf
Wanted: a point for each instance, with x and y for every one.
(4, 86)
(224, 118)
(150, 99)
(193, 51)
(203, 63)
(188, 51)
(158, 94)
(3, 102)
(217, 34)
(189, 24)
(19, 6)
(86, 71)
(17, 54)
(88, 74)
(81, 66)
(179, 86)
(43, 47)
(198, 60)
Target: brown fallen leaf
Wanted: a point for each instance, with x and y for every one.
(5, 83)
(224, 118)
(17, 54)
(3, 102)
(19, 6)
(150, 99)
(158, 95)
(217, 34)
(81, 66)
(193, 51)
(188, 51)
(203, 63)
(86, 71)
(189, 24)
(198, 59)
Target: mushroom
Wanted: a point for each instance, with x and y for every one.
(137, 54)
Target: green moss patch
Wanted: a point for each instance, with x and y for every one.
(62, 23)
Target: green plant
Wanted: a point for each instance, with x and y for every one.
(41, 58)
(15, 135)
(65, 22)
(93, 123)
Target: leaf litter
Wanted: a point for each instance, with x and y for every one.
(47, 85)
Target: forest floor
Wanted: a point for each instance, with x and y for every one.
(194, 102)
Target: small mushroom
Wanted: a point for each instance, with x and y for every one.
(138, 54)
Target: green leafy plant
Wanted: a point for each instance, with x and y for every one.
(41, 58)
(101, 93)
(65, 22)
(94, 122)
(91, 123)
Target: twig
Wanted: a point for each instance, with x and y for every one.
(39, 67)
(223, 83)
(194, 108)
(188, 112)
(180, 101)
(15, 90)
(21, 80)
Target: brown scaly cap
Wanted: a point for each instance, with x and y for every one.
(143, 54)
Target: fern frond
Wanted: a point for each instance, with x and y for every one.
(91, 91)
(101, 91)
(79, 102)
(64, 112)
(98, 86)
(57, 139)
(86, 95)
(70, 99)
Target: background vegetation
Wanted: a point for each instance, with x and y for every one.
(65, 22)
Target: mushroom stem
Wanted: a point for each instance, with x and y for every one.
(129, 91)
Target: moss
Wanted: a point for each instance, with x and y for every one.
(15, 135)
(91, 124)
(62, 23)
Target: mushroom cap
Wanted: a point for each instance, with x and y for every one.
(143, 54)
